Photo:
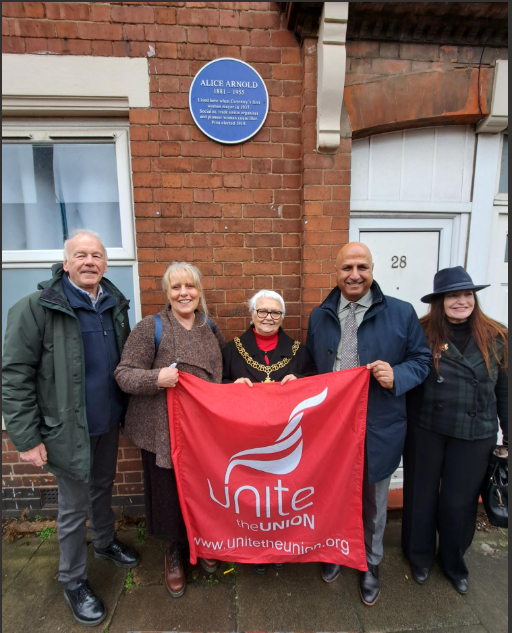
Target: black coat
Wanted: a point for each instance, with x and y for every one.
(390, 331)
(234, 366)
(463, 401)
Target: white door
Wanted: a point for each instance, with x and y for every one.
(497, 294)
(405, 263)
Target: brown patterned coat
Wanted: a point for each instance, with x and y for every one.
(196, 351)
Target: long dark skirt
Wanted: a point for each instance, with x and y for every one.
(164, 519)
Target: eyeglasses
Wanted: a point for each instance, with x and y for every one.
(275, 314)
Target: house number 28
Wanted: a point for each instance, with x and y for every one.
(399, 262)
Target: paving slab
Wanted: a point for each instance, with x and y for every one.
(209, 604)
(34, 600)
(294, 598)
(150, 570)
(14, 558)
(487, 561)
(404, 605)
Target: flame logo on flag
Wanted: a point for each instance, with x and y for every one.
(288, 438)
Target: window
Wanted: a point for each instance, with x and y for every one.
(57, 177)
(51, 189)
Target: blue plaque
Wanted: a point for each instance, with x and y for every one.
(228, 100)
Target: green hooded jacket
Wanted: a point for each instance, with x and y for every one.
(44, 375)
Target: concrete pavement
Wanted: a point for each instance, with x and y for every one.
(293, 599)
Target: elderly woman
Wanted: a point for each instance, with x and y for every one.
(452, 427)
(265, 353)
(189, 342)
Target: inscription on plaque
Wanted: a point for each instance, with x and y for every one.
(228, 100)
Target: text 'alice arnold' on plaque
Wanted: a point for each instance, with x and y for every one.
(228, 100)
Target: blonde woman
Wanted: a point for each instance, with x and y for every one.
(193, 344)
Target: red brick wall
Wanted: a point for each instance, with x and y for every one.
(325, 195)
(270, 213)
(23, 484)
(235, 211)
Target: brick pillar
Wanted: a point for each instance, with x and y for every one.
(325, 198)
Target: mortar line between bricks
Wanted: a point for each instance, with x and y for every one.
(28, 561)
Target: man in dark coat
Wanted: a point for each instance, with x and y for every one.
(62, 406)
(358, 325)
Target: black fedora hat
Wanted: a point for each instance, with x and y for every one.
(451, 280)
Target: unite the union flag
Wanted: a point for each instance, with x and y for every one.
(272, 473)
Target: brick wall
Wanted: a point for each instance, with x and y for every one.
(270, 213)
(24, 486)
(234, 211)
(325, 195)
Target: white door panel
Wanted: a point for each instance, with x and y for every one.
(430, 165)
(405, 263)
(496, 297)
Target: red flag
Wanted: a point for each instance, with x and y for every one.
(272, 473)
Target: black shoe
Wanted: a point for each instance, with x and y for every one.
(420, 574)
(278, 565)
(330, 572)
(369, 585)
(122, 555)
(260, 569)
(461, 585)
(87, 608)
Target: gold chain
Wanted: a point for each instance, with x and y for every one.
(267, 369)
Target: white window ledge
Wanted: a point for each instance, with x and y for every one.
(27, 105)
(58, 83)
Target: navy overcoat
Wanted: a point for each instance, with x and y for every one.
(391, 332)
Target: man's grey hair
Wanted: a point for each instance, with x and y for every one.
(78, 232)
(266, 294)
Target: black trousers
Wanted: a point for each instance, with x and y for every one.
(443, 476)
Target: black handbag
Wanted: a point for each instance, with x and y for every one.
(495, 491)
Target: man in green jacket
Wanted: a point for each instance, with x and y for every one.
(62, 406)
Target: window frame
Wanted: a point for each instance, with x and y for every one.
(94, 131)
(500, 199)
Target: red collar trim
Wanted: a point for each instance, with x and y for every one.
(266, 343)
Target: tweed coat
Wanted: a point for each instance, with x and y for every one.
(390, 331)
(196, 351)
(234, 366)
(463, 400)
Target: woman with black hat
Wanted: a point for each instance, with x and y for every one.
(452, 427)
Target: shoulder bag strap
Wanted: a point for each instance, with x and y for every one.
(158, 331)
